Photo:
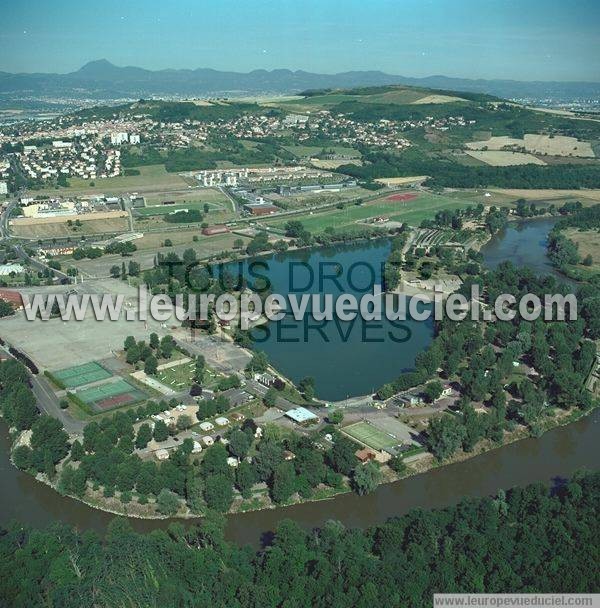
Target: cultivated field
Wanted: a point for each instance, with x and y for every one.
(46, 230)
(501, 158)
(557, 145)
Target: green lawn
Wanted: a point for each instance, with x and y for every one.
(177, 377)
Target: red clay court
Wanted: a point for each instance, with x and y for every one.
(401, 197)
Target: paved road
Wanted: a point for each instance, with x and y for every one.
(48, 403)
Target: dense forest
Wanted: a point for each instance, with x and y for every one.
(525, 540)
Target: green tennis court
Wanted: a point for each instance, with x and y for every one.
(370, 435)
(110, 394)
(79, 375)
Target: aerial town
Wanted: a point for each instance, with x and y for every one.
(291, 338)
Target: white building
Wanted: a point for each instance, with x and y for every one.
(134, 138)
(3, 188)
(116, 139)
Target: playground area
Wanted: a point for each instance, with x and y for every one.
(79, 375)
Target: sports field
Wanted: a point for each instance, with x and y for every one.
(370, 435)
(79, 375)
(111, 394)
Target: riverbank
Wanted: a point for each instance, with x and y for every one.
(421, 465)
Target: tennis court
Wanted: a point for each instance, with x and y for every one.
(79, 375)
(110, 394)
(370, 435)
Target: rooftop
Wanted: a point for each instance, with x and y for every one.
(300, 414)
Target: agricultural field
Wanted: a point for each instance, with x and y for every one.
(504, 158)
(48, 230)
(79, 375)
(555, 145)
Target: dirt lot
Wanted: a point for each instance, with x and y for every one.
(500, 158)
(558, 145)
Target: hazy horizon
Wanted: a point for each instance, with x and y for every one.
(532, 40)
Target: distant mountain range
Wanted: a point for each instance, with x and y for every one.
(103, 80)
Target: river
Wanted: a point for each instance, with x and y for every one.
(549, 459)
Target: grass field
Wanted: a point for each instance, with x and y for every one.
(79, 375)
(369, 435)
(424, 206)
(151, 177)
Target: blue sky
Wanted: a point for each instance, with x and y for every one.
(524, 40)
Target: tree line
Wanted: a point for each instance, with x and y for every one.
(528, 540)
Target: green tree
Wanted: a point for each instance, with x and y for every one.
(167, 502)
(366, 478)
(239, 443)
(161, 431)
(151, 365)
(218, 492)
(144, 435)
(284, 482)
(446, 434)
(245, 478)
